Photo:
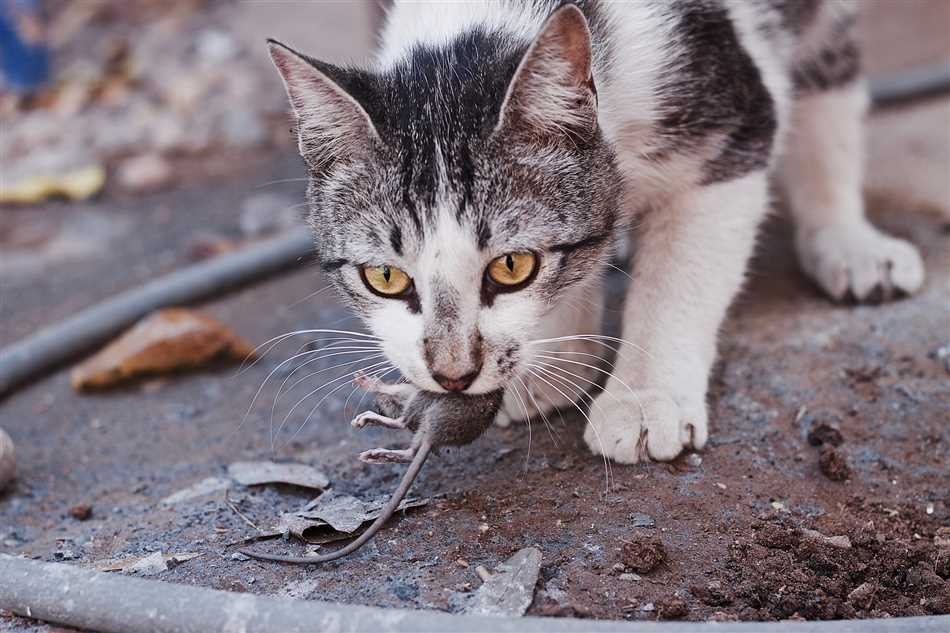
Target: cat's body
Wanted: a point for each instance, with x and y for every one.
(491, 129)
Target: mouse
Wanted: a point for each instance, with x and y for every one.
(435, 420)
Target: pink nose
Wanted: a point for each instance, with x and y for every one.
(456, 384)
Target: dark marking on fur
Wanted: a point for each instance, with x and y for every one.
(837, 64)
(716, 90)
(395, 239)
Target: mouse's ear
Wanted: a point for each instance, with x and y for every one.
(552, 91)
(331, 124)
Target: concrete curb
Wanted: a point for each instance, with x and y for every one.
(72, 596)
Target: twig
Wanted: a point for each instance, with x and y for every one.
(227, 500)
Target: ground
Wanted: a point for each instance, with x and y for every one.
(733, 513)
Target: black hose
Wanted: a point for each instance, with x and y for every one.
(62, 341)
(907, 85)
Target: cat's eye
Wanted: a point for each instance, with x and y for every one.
(513, 269)
(388, 281)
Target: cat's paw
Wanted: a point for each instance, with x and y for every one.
(633, 426)
(856, 261)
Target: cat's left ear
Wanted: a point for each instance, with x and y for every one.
(552, 91)
(331, 123)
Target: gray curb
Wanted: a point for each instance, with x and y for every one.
(77, 597)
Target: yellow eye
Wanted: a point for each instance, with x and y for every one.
(512, 269)
(386, 280)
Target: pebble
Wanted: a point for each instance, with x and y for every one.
(694, 460)
(81, 512)
(643, 555)
(641, 520)
(834, 464)
(146, 172)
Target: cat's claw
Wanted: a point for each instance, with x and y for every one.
(649, 424)
(858, 262)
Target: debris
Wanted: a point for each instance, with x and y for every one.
(930, 508)
(149, 565)
(7, 460)
(641, 520)
(77, 184)
(842, 541)
(510, 590)
(643, 554)
(942, 355)
(672, 608)
(821, 434)
(483, 573)
(202, 488)
(863, 596)
(147, 172)
(234, 508)
(779, 506)
(461, 562)
(333, 517)
(712, 594)
(81, 512)
(630, 577)
(239, 556)
(834, 464)
(256, 473)
(942, 537)
(694, 460)
(165, 341)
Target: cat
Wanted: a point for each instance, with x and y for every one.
(467, 189)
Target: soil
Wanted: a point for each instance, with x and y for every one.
(753, 527)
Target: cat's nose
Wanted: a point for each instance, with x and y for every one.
(456, 384)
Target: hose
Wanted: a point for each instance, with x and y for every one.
(62, 341)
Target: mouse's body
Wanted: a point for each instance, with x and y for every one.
(436, 419)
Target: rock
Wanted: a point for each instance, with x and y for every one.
(694, 460)
(712, 594)
(641, 520)
(143, 173)
(941, 560)
(841, 541)
(942, 537)
(834, 464)
(165, 341)
(510, 590)
(671, 608)
(863, 596)
(824, 434)
(81, 512)
(643, 555)
(7, 460)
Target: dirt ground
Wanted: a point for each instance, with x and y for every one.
(737, 521)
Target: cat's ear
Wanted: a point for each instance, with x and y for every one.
(331, 125)
(552, 91)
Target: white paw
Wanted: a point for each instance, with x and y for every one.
(632, 426)
(858, 261)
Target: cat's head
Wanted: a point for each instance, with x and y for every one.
(458, 195)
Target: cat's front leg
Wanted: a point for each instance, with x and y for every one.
(689, 263)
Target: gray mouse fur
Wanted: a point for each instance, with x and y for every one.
(436, 419)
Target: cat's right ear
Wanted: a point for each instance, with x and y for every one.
(331, 125)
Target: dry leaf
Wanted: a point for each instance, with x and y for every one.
(255, 473)
(200, 489)
(333, 517)
(510, 590)
(165, 341)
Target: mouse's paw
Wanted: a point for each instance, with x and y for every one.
(630, 426)
(364, 382)
(387, 456)
(371, 418)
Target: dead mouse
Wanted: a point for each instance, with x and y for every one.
(436, 419)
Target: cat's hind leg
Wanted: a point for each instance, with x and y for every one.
(822, 173)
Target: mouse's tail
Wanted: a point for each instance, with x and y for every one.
(388, 510)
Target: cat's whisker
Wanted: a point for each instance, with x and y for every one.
(586, 417)
(281, 181)
(594, 338)
(382, 373)
(551, 431)
(280, 338)
(527, 418)
(364, 357)
(309, 296)
(346, 376)
(565, 352)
